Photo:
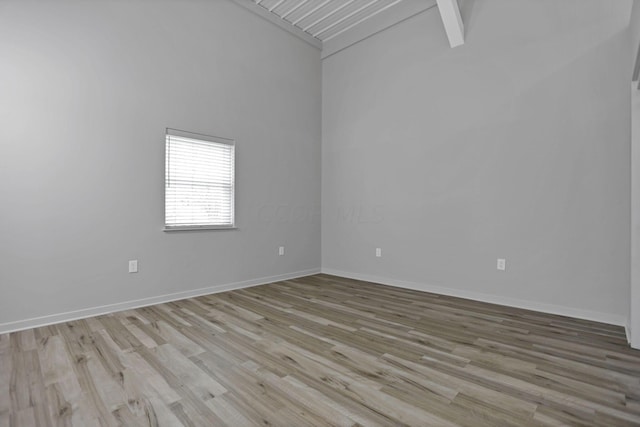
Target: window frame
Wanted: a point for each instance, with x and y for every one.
(202, 138)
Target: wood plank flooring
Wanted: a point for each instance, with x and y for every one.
(320, 351)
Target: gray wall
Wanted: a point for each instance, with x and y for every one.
(86, 91)
(515, 145)
(634, 300)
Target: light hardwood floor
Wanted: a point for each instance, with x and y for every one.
(320, 350)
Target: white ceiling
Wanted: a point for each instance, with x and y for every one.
(334, 25)
(325, 19)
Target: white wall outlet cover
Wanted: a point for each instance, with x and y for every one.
(281, 250)
(502, 264)
(378, 252)
(133, 266)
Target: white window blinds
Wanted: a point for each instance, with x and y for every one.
(199, 181)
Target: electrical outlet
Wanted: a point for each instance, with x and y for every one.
(281, 250)
(133, 266)
(502, 264)
(378, 252)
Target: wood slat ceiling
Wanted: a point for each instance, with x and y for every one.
(325, 19)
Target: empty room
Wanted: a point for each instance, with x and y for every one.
(319, 213)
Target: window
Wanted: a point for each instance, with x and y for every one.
(199, 181)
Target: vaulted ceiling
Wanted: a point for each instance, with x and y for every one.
(326, 19)
(332, 25)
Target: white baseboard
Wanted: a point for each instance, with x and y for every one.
(476, 296)
(35, 322)
(595, 316)
(627, 330)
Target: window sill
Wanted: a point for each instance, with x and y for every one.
(202, 228)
